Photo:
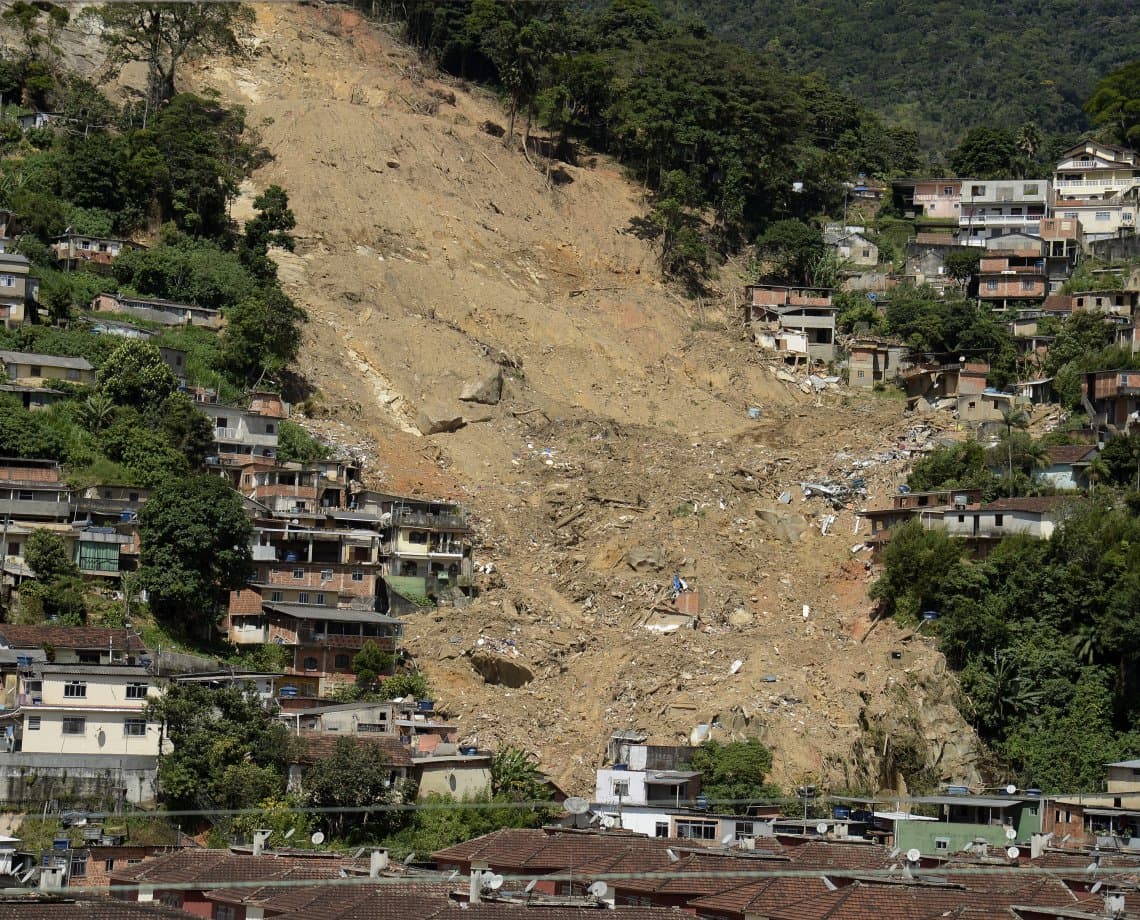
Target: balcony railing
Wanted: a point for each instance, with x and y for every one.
(311, 637)
(1104, 183)
(1000, 220)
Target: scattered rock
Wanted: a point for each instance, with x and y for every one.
(486, 390)
(494, 129)
(740, 617)
(788, 527)
(393, 164)
(495, 669)
(646, 558)
(443, 95)
(438, 420)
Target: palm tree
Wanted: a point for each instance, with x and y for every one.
(515, 775)
(96, 412)
(1012, 417)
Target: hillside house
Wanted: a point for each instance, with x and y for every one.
(167, 312)
(19, 289)
(875, 360)
(315, 746)
(984, 525)
(1112, 398)
(934, 199)
(321, 640)
(1009, 275)
(851, 246)
(26, 366)
(1068, 466)
(1117, 302)
(994, 208)
(83, 730)
(76, 249)
(1097, 184)
(964, 819)
(1064, 248)
(75, 644)
(987, 406)
(242, 434)
(796, 322)
(907, 505)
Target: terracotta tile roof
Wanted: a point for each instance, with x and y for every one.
(36, 907)
(1037, 504)
(317, 746)
(245, 601)
(823, 854)
(1058, 303)
(1070, 453)
(215, 868)
(701, 875)
(71, 637)
(762, 895)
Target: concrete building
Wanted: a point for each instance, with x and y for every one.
(933, 199)
(1097, 184)
(29, 366)
(797, 322)
(19, 289)
(76, 249)
(243, 434)
(167, 312)
(996, 207)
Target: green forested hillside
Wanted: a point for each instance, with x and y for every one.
(941, 66)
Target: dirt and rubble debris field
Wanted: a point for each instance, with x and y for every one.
(622, 452)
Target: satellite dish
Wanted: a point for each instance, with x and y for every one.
(454, 873)
(1097, 887)
(913, 854)
(493, 882)
(408, 859)
(894, 853)
(821, 828)
(289, 833)
(530, 885)
(828, 883)
(576, 805)
(1013, 852)
(608, 821)
(673, 857)
(1091, 868)
(1010, 834)
(1010, 789)
(727, 839)
(597, 890)
(317, 839)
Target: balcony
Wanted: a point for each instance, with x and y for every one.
(227, 434)
(1000, 220)
(442, 521)
(1105, 183)
(312, 637)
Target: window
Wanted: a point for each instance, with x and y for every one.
(942, 844)
(13, 548)
(33, 724)
(961, 519)
(357, 575)
(275, 597)
(108, 865)
(326, 574)
(661, 829)
(621, 788)
(696, 830)
(977, 190)
(269, 429)
(223, 912)
(76, 689)
(7, 280)
(866, 253)
(303, 597)
(25, 495)
(298, 573)
(136, 691)
(999, 519)
(948, 190)
(341, 662)
(134, 728)
(310, 663)
(745, 830)
(991, 285)
(1030, 188)
(74, 726)
(37, 371)
(861, 374)
(320, 598)
(78, 868)
(1072, 215)
(1102, 215)
(417, 536)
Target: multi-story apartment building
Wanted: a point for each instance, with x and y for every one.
(19, 289)
(1098, 184)
(798, 322)
(242, 434)
(1006, 276)
(995, 207)
(934, 199)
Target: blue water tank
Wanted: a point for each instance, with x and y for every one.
(621, 766)
(425, 705)
(840, 812)
(290, 557)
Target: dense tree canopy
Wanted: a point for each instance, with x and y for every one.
(195, 539)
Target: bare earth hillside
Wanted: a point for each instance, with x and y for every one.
(429, 255)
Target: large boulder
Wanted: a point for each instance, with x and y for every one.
(787, 525)
(500, 670)
(437, 419)
(486, 390)
(646, 558)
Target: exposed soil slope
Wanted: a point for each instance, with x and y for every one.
(429, 254)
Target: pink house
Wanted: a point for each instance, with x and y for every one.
(933, 198)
